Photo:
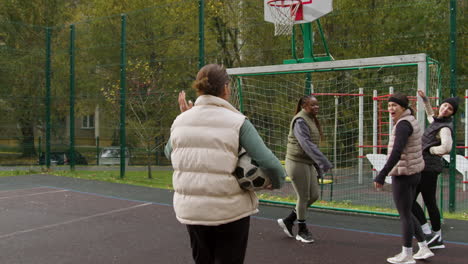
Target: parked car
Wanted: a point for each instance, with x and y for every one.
(111, 156)
(62, 158)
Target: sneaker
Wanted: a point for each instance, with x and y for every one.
(436, 244)
(423, 253)
(304, 236)
(401, 258)
(431, 237)
(287, 227)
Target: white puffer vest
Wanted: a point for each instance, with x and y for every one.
(205, 142)
(411, 160)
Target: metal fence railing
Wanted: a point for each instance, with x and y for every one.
(74, 89)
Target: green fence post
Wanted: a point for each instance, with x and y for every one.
(97, 150)
(72, 98)
(307, 35)
(201, 33)
(321, 190)
(156, 150)
(293, 45)
(47, 99)
(308, 84)
(39, 148)
(241, 96)
(453, 92)
(122, 94)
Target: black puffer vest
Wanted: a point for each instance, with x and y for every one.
(429, 139)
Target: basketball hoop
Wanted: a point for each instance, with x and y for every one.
(284, 13)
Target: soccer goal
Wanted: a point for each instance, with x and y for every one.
(353, 112)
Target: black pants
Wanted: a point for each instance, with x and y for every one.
(427, 187)
(223, 244)
(404, 191)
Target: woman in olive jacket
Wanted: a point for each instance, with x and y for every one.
(305, 164)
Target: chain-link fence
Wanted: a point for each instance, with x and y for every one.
(81, 93)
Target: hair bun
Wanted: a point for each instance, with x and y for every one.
(211, 80)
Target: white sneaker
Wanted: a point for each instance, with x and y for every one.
(401, 258)
(423, 253)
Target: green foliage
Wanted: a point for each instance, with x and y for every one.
(22, 27)
(358, 29)
(147, 103)
(164, 36)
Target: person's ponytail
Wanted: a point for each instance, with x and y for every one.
(299, 105)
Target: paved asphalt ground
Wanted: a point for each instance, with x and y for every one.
(50, 219)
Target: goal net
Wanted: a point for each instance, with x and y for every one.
(352, 96)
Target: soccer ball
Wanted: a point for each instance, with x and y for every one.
(249, 175)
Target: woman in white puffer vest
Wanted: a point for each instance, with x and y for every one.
(203, 148)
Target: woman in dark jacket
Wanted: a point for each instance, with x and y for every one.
(436, 142)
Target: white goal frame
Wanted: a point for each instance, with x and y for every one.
(421, 60)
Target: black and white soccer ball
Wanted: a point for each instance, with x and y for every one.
(249, 176)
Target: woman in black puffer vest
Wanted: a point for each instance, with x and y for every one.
(436, 142)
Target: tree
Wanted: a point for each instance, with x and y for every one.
(147, 105)
(23, 61)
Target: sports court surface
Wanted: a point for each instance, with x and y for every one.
(49, 219)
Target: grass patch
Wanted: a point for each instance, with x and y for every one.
(457, 215)
(161, 179)
(342, 204)
(17, 172)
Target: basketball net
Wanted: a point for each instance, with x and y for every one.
(284, 14)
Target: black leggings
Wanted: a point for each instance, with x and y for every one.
(404, 190)
(428, 187)
(223, 244)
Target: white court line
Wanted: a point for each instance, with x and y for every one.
(32, 194)
(72, 221)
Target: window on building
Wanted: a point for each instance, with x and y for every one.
(88, 121)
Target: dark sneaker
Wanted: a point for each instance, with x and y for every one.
(432, 237)
(436, 244)
(287, 227)
(304, 236)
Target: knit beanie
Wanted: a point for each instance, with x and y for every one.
(452, 101)
(400, 99)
